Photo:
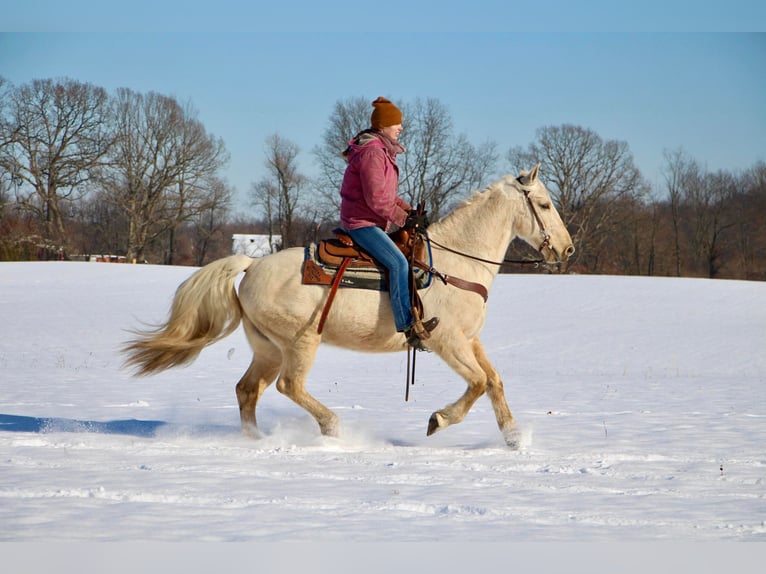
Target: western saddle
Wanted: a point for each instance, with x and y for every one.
(340, 253)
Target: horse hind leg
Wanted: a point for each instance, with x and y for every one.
(259, 375)
(263, 370)
(298, 360)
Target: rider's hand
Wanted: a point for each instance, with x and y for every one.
(418, 220)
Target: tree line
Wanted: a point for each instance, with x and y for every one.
(83, 171)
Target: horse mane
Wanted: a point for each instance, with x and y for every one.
(462, 212)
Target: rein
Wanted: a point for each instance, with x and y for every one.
(535, 262)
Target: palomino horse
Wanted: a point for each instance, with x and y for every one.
(280, 314)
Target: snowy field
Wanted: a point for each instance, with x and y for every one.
(642, 403)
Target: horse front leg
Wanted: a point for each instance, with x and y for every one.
(496, 394)
(471, 362)
(463, 361)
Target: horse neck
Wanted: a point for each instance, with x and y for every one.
(481, 227)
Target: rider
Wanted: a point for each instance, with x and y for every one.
(370, 204)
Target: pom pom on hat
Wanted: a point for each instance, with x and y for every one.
(385, 114)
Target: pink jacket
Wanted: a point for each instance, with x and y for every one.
(368, 193)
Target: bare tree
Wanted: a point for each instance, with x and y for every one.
(207, 223)
(709, 198)
(702, 207)
(5, 195)
(103, 225)
(440, 167)
(279, 191)
(588, 178)
(160, 167)
(55, 135)
(263, 196)
(7, 127)
(749, 234)
(678, 171)
(142, 165)
(197, 190)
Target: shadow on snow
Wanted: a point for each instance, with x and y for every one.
(131, 427)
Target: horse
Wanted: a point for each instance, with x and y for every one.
(280, 314)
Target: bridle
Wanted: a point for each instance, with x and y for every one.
(546, 236)
(536, 262)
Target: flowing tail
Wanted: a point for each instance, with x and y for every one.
(205, 309)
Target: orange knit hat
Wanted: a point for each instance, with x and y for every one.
(385, 114)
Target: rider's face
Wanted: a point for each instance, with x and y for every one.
(392, 131)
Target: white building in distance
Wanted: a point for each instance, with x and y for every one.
(254, 245)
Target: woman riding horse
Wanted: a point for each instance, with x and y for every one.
(370, 204)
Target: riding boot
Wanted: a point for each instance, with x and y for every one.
(417, 333)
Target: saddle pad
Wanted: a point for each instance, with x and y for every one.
(316, 272)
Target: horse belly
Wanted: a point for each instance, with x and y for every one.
(361, 320)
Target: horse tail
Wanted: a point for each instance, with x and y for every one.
(205, 309)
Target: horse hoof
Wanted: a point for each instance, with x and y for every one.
(515, 439)
(435, 423)
(251, 431)
(331, 430)
(512, 440)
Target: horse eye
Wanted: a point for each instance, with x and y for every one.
(545, 205)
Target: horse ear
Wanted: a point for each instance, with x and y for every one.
(533, 174)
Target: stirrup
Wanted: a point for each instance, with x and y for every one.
(419, 332)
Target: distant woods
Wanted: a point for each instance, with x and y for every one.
(86, 172)
(693, 223)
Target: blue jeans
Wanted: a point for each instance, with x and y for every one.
(377, 243)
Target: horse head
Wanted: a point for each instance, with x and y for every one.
(543, 229)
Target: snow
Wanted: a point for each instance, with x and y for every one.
(642, 402)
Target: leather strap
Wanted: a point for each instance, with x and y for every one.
(477, 288)
(333, 289)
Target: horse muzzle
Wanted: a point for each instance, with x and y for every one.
(553, 255)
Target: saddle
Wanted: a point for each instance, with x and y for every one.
(336, 255)
(340, 251)
(334, 250)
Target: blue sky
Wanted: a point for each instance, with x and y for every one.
(703, 92)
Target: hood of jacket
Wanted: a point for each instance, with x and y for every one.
(373, 137)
